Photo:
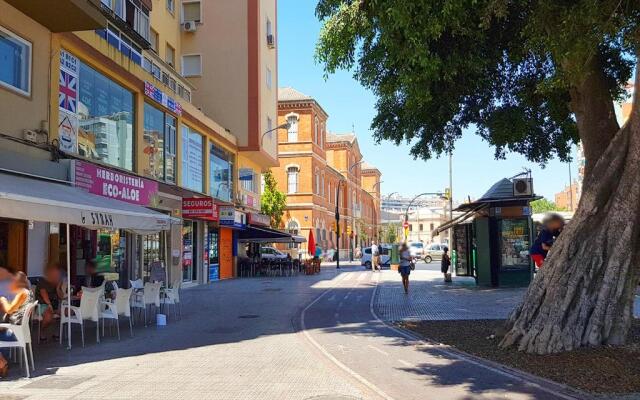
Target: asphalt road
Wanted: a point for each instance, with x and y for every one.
(341, 324)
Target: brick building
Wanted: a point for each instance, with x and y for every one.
(313, 163)
(568, 198)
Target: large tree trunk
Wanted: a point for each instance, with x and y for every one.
(583, 295)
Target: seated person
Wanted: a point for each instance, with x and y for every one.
(5, 281)
(13, 311)
(91, 278)
(49, 292)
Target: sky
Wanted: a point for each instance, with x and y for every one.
(352, 108)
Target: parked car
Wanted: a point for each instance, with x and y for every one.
(434, 252)
(416, 249)
(385, 256)
(271, 253)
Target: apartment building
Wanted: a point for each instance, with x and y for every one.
(102, 98)
(322, 172)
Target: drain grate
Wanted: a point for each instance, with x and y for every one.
(248, 316)
(58, 382)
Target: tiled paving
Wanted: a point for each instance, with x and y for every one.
(211, 353)
(431, 299)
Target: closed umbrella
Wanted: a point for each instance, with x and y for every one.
(312, 244)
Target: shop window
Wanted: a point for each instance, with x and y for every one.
(153, 151)
(106, 114)
(192, 65)
(191, 11)
(192, 159)
(292, 132)
(514, 244)
(292, 179)
(221, 173)
(189, 251)
(15, 62)
(247, 179)
(170, 148)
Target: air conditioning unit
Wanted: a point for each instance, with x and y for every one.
(190, 26)
(271, 42)
(522, 187)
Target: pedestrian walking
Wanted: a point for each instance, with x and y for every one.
(405, 266)
(445, 263)
(375, 256)
(551, 229)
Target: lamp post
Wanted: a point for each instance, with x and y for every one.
(406, 213)
(286, 125)
(340, 182)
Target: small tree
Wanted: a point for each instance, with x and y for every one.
(273, 201)
(390, 233)
(543, 205)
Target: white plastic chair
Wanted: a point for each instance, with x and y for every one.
(111, 310)
(88, 310)
(22, 333)
(150, 297)
(172, 296)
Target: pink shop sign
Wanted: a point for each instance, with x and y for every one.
(113, 184)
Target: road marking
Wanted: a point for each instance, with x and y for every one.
(362, 276)
(332, 298)
(340, 365)
(406, 364)
(346, 296)
(349, 276)
(378, 350)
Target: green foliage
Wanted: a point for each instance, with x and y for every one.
(273, 201)
(390, 233)
(543, 205)
(505, 68)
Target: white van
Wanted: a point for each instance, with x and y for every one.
(385, 256)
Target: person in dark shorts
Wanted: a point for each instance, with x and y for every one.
(552, 226)
(445, 263)
(405, 266)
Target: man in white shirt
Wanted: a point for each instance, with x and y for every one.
(375, 257)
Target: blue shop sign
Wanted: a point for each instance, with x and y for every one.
(231, 217)
(150, 90)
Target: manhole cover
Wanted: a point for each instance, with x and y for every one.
(58, 382)
(333, 397)
(271, 290)
(248, 316)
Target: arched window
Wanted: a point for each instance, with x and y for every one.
(322, 185)
(322, 136)
(292, 133)
(292, 179)
(293, 228)
(317, 179)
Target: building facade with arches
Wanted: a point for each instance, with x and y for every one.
(313, 164)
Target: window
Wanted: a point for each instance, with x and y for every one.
(292, 179)
(420, 228)
(155, 71)
(322, 136)
(247, 179)
(292, 133)
(184, 93)
(268, 78)
(192, 159)
(172, 84)
(431, 227)
(153, 151)
(154, 40)
(192, 65)
(147, 64)
(293, 228)
(410, 228)
(269, 27)
(170, 56)
(191, 11)
(106, 114)
(221, 173)
(15, 62)
(171, 6)
(315, 130)
(322, 185)
(317, 182)
(170, 148)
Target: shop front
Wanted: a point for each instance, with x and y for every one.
(200, 253)
(232, 222)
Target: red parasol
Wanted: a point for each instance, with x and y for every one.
(312, 244)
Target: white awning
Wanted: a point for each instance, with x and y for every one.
(33, 199)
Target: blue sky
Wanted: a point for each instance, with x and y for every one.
(350, 105)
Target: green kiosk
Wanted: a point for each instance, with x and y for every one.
(492, 235)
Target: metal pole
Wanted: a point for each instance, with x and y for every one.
(338, 225)
(570, 189)
(68, 310)
(450, 195)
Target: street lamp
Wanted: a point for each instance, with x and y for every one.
(286, 125)
(406, 213)
(340, 182)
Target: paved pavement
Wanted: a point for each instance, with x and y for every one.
(304, 337)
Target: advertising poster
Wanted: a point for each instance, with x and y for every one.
(68, 132)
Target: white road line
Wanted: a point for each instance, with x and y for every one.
(332, 298)
(357, 376)
(406, 364)
(362, 276)
(349, 276)
(378, 350)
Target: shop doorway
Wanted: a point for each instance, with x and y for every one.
(189, 251)
(13, 240)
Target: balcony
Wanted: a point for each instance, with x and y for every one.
(66, 16)
(130, 17)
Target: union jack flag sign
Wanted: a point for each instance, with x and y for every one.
(68, 92)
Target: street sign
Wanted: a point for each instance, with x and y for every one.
(405, 224)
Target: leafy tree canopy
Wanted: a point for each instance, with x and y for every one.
(273, 201)
(543, 205)
(505, 67)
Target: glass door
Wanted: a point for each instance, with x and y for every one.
(188, 257)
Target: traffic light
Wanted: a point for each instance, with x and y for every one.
(333, 226)
(447, 193)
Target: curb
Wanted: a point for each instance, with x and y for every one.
(547, 385)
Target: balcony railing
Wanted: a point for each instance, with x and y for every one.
(131, 18)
